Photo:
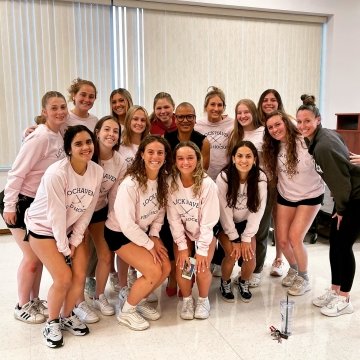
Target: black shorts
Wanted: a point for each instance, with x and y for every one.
(309, 202)
(100, 215)
(115, 239)
(37, 236)
(240, 227)
(23, 203)
(167, 239)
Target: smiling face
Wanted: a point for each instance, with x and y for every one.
(307, 123)
(214, 109)
(244, 117)
(55, 112)
(138, 122)
(84, 99)
(82, 147)
(244, 160)
(108, 135)
(276, 128)
(154, 157)
(119, 105)
(269, 103)
(186, 160)
(164, 111)
(185, 118)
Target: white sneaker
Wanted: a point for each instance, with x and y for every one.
(133, 320)
(84, 312)
(202, 310)
(187, 311)
(152, 297)
(29, 313)
(123, 295)
(52, 334)
(339, 305)
(41, 306)
(289, 279)
(299, 287)
(216, 270)
(103, 305)
(131, 277)
(114, 281)
(325, 298)
(146, 311)
(255, 280)
(277, 267)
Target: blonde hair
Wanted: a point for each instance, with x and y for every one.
(127, 133)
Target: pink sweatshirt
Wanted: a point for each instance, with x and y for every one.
(257, 138)
(73, 120)
(128, 153)
(65, 203)
(218, 135)
(193, 217)
(39, 150)
(114, 171)
(135, 212)
(306, 183)
(230, 216)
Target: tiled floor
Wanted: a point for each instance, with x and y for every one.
(233, 331)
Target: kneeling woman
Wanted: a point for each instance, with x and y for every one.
(133, 226)
(242, 188)
(57, 220)
(193, 211)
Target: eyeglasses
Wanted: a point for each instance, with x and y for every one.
(188, 117)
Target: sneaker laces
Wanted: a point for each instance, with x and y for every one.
(84, 306)
(226, 286)
(189, 305)
(334, 302)
(327, 295)
(277, 263)
(73, 320)
(244, 286)
(31, 308)
(135, 314)
(298, 282)
(53, 331)
(103, 301)
(40, 304)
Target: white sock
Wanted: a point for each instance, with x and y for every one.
(127, 307)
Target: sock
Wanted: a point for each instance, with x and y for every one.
(294, 266)
(304, 275)
(127, 307)
(201, 299)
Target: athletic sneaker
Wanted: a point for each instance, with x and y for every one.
(133, 320)
(131, 277)
(90, 286)
(299, 287)
(255, 280)
(216, 270)
(202, 310)
(84, 312)
(277, 268)
(52, 334)
(245, 294)
(114, 281)
(29, 313)
(74, 325)
(152, 297)
(339, 305)
(226, 292)
(41, 306)
(123, 294)
(289, 279)
(103, 305)
(187, 310)
(146, 311)
(325, 298)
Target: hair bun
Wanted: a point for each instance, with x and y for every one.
(308, 99)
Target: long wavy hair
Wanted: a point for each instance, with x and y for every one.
(262, 115)
(138, 172)
(233, 179)
(238, 133)
(126, 95)
(198, 174)
(271, 147)
(126, 138)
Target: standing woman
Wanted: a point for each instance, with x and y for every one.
(247, 126)
(242, 188)
(269, 101)
(57, 220)
(343, 179)
(132, 231)
(162, 119)
(193, 211)
(300, 194)
(120, 102)
(40, 149)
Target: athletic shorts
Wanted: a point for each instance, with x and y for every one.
(100, 215)
(309, 202)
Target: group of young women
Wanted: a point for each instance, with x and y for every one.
(156, 200)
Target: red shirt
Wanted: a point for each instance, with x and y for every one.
(158, 128)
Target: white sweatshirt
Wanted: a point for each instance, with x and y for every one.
(230, 216)
(72, 120)
(193, 217)
(218, 135)
(114, 171)
(135, 212)
(64, 203)
(39, 150)
(128, 153)
(257, 138)
(306, 183)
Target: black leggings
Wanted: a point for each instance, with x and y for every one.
(342, 260)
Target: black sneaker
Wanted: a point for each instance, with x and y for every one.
(74, 325)
(52, 334)
(244, 291)
(226, 292)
